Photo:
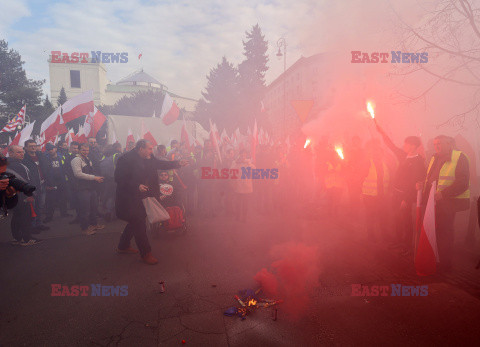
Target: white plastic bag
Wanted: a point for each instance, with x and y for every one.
(155, 211)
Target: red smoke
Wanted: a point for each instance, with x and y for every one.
(294, 274)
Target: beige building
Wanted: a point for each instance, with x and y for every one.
(77, 78)
(307, 79)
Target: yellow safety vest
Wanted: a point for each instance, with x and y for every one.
(447, 174)
(333, 178)
(370, 183)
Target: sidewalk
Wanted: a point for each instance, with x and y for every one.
(203, 270)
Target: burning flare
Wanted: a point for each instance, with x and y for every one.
(339, 151)
(307, 142)
(371, 110)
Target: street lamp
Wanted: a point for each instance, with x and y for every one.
(283, 43)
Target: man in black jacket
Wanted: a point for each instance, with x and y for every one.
(22, 213)
(136, 178)
(8, 195)
(411, 170)
(55, 184)
(35, 162)
(70, 178)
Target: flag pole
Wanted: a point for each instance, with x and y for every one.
(418, 224)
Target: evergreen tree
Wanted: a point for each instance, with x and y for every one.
(142, 103)
(252, 74)
(42, 113)
(62, 97)
(220, 98)
(16, 89)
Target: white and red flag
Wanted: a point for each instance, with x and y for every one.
(224, 137)
(93, 122)
(170, 110)
(73, 108)
(53, 125)
(186, 138)
(80, 136)
(23, 135)
(214, 139)
(78, 106)
(427, 253)
(69, 136)
(130, 137)
(147, 135)
(15, 122)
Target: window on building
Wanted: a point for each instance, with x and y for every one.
(75, 79)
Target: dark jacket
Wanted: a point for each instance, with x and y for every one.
(55, 174)
(130, 172)
(37, 172)
(410, 171)
(7, 203)
(20, 170)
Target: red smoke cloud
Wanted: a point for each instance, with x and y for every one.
(294, 274)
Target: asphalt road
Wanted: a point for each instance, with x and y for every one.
(203, 270)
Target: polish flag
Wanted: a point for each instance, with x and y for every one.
(148, 136)
(427, 253)
(170, 110)
(80, 137)
(213, 138)
(22, 136)
(53, 125)
(130, 137)
(78, 106)
(186, 138)
(69, 137)
(224, 137)
(93, 122)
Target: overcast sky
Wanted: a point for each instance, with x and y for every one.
(180, 40)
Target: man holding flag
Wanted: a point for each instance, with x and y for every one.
(450, 169)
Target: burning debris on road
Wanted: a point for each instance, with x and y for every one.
(249, 302)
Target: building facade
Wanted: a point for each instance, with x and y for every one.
(80, 77)
(307, 79)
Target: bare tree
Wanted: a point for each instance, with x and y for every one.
(450, 34)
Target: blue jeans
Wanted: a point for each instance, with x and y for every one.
(87, 208)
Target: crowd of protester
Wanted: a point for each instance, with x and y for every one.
(370, 182)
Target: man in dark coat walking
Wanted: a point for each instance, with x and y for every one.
(136, 179)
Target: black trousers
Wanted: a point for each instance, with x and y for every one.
(21, 223)
(444, 220)
(136, 228)
(56, 198)
(403, 222)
